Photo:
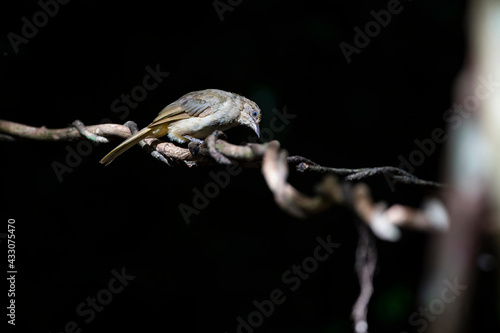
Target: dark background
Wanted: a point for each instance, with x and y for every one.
(202, 276)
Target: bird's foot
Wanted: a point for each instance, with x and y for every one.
(87, 134)
(194, 148)
(195, 145)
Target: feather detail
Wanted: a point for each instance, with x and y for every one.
(125, 145)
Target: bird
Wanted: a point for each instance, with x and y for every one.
(194, 116)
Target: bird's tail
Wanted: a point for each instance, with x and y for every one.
(125, 145)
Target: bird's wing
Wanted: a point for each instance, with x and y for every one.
(199, 105)
(169, 114)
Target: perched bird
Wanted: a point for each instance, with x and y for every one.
(194, 116)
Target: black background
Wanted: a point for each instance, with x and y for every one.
(200, 277)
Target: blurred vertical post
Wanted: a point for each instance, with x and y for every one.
(472, 168)
(487, 29)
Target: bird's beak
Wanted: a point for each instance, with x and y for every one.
(256, 128)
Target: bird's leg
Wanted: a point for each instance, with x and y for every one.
(153, 152)
(192, 139)
(194, 145)
(87, 134)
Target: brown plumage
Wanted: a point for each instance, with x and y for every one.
(194, 116)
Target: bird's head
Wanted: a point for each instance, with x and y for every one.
(250, 115)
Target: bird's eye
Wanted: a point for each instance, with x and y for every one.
(254, 114)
